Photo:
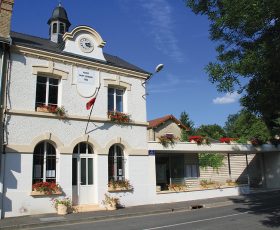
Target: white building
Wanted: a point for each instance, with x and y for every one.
(66, 71)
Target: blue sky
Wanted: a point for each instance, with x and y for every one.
(146, 33)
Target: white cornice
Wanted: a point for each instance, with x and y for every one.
(55, 57)
(69, 117)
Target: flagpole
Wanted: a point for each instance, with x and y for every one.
(91, 110)
(88, 119)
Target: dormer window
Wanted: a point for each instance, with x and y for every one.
(55, 28)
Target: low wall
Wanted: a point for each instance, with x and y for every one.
(169, 197)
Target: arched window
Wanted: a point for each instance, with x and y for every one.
(116, 164)
(61, 28)
(54, 28)
(82, 164)
(44, 163)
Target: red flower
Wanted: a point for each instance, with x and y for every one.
(227, 139)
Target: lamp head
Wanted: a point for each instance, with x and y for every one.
(159, 68)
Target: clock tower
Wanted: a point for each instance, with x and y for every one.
(59, 24)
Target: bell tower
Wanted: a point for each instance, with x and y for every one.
(59, 24)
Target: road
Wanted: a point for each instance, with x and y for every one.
(252, 214)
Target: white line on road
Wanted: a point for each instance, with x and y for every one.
(207, 219)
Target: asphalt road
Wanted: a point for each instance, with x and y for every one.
(260, 214)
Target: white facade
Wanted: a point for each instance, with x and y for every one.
(25, 128)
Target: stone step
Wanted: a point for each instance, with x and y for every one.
(87, 208)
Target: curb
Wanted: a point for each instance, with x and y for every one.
(109, 217)
(189, 207)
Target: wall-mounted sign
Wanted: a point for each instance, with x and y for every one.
(85, 76)
(152, 152)
(87, 82)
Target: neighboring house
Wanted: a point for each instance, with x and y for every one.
(165, 125)
(6, 7)
(182, 167)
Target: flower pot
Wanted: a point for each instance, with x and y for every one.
(61, 209)
(111, 207)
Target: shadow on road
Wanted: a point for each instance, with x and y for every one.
(266, 205)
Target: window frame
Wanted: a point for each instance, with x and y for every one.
(44, 157)
(47, 88)
(194, 172)
(115, 99)
(54, 28)
(114, 158)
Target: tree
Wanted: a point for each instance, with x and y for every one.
(248, 52)
(184, 118)
(245, 125)
(213, 131)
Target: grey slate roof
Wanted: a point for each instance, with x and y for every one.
(47, 45)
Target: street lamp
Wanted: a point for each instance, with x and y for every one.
(158, 68)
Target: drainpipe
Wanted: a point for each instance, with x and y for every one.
(1, 141)
(5, 73)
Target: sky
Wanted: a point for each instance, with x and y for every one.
(146, 33)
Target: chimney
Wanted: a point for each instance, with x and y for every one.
(6, 8)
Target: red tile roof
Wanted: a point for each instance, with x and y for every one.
(157, 122)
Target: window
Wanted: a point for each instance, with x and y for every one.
(82, 164)
(61, 28)
(47, 91)
(44, 163)
(115, 99)
(116, 163)
(191, 171)
(55, 28)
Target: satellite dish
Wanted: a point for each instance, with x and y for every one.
(159, 68)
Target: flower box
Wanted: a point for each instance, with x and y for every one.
(228, 140)
(59, 111)
(199, 140)
(45, 188)
(167, 139)
(119, 117)
(42, 193)
(121, 186)
(42, 110)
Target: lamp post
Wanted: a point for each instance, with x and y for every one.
(158, 68)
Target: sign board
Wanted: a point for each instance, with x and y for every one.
(152, 152)
(87, 81)
(85, 77)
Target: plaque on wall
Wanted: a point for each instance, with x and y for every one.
(87, 82)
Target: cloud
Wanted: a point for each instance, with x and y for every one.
(229, 98)
(161, 23)
(171, 83)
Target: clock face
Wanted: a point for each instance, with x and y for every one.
(86, 45)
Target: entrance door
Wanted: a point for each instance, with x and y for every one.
(82, 174)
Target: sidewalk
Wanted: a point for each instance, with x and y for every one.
(51, 219)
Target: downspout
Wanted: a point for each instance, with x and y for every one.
(3, 93)
(1, 147)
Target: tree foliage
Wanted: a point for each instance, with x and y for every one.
(248, 52)
(245, 126)
(212, 131)
(184, 118)
(213, 160)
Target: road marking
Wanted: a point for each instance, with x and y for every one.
(141, 216)
(207, 219)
